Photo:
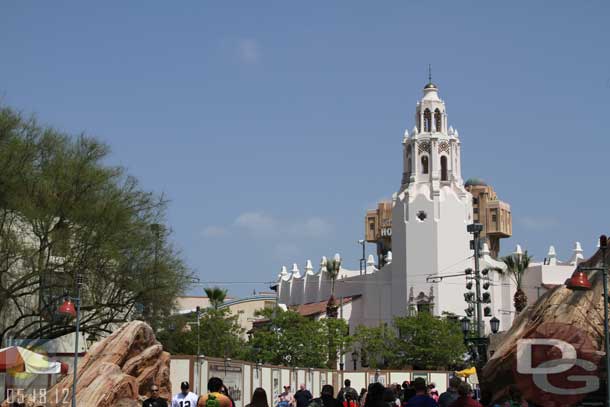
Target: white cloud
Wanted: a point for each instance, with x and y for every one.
(260, 224)
(249, 51)
(312, 227)
(257, 223)
(215, 231)
(538, 223)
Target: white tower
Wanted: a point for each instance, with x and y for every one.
(430, 214)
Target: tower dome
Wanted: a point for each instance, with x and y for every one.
(475, 182)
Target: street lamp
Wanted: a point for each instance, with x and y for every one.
(363, 259)
(580, 281)
(198, 382)
(227, 361)
(67, 308)
(465, 324)
(377, 371)
(355, 359)
(495, 325)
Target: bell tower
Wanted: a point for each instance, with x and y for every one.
(430, 212)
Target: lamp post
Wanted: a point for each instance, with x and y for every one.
(495, 325)
(377, 371)
(227, 361)
(198, 382)
(476, 229)
(355, 359)
(479, 343)
(67, 308)
(580, 281)
(363, 259)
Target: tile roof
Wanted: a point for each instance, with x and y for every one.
(317, 308)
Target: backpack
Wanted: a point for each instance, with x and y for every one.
(212, 401)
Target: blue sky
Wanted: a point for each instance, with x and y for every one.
(272, 126)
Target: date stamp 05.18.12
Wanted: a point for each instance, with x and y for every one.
(38, 396)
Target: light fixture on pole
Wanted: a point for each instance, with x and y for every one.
(465, 325)
(377, 371)
(67, 308)
(363, 259)
(495, 325)
(355, 359)
(198, 381)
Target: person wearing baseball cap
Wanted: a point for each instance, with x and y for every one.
(185, 398)
(214, 397)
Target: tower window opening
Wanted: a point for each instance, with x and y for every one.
(424, 164)
(427, 120)
(409, 165)
(438, 120)
(444, 174)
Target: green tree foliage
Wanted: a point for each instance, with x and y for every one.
(64, 212)
(426, 342)
(216, 296)
(220, 334)
(288, 338)
(371, 343)
(420, 342)
(516, 265)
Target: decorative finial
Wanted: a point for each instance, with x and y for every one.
(429, 73)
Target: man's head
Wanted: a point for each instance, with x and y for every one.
(214, 385)
(154, 391)
(347, 383)
(302, 386)
(419, 384)
(184, 386)
(327, 390)
(287, 388)
(464, 390)
(455, 382)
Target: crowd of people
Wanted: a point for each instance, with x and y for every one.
(416, 393)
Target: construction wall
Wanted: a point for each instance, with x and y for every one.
(241, 378)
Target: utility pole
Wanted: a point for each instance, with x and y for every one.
(363, 259)
(481, 342)
(198, 382)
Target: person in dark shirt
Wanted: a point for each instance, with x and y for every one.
(326, 398)
(421, 398)
(451, 394)
(154, 400)
(465, 399)
(303, 396)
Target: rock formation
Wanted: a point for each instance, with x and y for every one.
(119, 369)
(573, 316)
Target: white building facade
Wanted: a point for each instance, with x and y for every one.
(430, 241)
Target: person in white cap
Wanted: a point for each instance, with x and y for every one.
(185, 398)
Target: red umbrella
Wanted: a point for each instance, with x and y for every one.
(16, 359)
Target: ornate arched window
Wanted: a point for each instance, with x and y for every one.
(424, 164)
(427, 120)
(444, 172)
(437, 120)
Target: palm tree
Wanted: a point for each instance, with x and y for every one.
(333, 267)
(516, 264)
(216, 296)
